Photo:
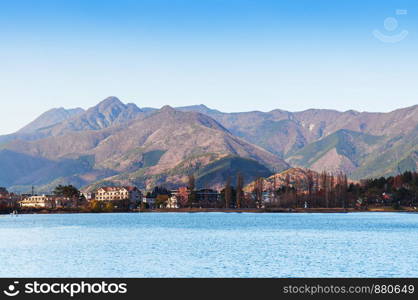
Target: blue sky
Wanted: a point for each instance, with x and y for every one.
(230, 55)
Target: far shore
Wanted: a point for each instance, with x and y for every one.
(223, 210)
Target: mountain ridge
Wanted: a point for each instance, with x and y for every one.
(285, 134)
(127, 144)
(161, 148)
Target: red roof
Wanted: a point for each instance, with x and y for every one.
(109, 188)
(130, 188)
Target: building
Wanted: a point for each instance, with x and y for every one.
(8, 200)
(43, 201)
(149, 201)
(120, 194)
(172, 202)
(203, 198)
(4, 197)
(181, 196)
(268, 198)
(88, 196)
(65, 202)
(49, 201)
(207, 197)
(113, 193)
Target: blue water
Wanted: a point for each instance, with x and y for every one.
(209, 245)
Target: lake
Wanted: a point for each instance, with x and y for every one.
(210, 245)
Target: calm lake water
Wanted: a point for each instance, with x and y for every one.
(209, 245)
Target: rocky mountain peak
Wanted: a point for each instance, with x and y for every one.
(108, 104)
(167, 108)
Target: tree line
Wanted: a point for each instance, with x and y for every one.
(323, 190)
(312, 190)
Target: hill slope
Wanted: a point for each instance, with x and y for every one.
(343, 150)
(293, 176)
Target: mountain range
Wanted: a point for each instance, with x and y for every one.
(114, 143)
(117, 143)
(360, 144)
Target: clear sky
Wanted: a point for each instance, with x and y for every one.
(230, 55)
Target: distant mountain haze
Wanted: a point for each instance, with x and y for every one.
(117, 143)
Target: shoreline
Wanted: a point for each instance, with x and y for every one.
(223, 210)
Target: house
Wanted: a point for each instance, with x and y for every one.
(88, 196)
(49, 201)
(65, 202)
(203, 198)
(182, 196)
(4, 196)
(207, 196)
(43, 201)
(149, 201)
(387, 198)
(8, 200)
(268, 198)
(120, 195)
(172, 202)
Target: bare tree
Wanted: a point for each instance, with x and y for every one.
(206, 196)
(228, 192)
(240, 192)
(183, 196)
(324, 189)
(258, 192)
(276, 200)
(310, 185)
(191, 186)
(344, 189)
(332, 190)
